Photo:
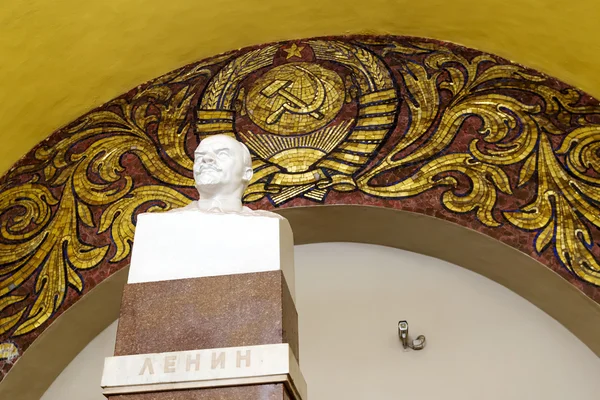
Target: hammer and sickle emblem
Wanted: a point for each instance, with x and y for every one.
(294, 104)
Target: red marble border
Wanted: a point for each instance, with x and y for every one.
(428, 203)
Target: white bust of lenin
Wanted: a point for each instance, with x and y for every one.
(222, 171)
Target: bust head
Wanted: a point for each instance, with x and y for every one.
(222, 168)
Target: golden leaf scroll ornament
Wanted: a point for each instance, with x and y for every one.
(315, 124)
(562, 204)
(512, 133)
(42, 222)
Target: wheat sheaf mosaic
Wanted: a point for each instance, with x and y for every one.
(396, 122)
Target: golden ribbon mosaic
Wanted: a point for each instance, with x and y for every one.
(364, 120)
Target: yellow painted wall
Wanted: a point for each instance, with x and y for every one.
(60, 58)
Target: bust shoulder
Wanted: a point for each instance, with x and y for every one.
(246, 211)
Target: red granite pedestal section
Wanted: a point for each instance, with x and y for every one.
(206, 313)
(254, 392)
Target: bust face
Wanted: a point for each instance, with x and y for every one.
(219, 167)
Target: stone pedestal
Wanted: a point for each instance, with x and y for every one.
(259, 392)
(224, 331)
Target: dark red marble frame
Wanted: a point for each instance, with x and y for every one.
(427, 203)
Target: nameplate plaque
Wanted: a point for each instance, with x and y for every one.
(231, 366)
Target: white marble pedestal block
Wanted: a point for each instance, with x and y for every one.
(180, 245)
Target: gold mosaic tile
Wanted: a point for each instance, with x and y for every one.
(319, 116)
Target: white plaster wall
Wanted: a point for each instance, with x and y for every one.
(81, 379)
(484, 342)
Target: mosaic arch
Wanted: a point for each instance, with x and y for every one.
(393, 122)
